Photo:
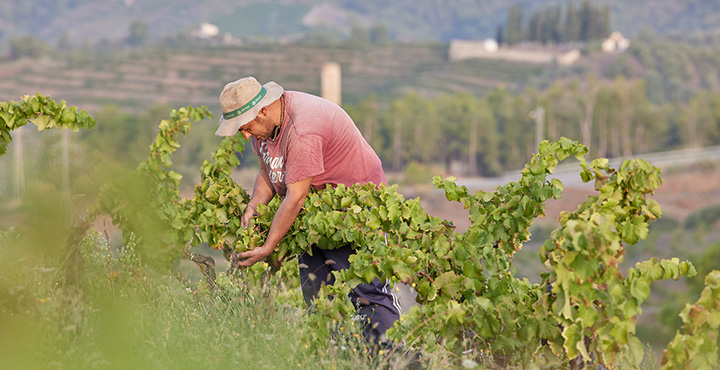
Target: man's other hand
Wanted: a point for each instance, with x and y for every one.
(249, 258)
(246, 217)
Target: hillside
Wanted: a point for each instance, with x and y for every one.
(96, 21)
(138, 79)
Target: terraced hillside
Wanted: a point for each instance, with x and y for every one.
(137, 80)
(97, 21)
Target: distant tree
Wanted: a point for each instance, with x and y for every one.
(119, 135)
(427, 135)
(605, 27)
(519, 24)
(586, 20)
(397, 116)
(366, 114)
(545, 25)
(520, 134)
(552, 100)
(619, 67)
(548, 25)
(698, 118)
(512, 121)
(630, 99)
(553, 29)
(415, 130)
(514, 26)
(320, 35)
(139, 32)
(488, 150)
(28, 46)
(458, 117)
(598, 28)
(572, 24)
(587, 100)
(359, 35)
(655, 86)
(535, 27)
(652, 129)
(63, 42)
(499, 37)
(713, 125)
(472, 123)
(604, 112)
(380, 35)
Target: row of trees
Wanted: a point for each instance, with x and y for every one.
(556, 24)
(663, 95)
(29, 46)
(673, 69)
(486, 135)
(498, 132)
(468, 135)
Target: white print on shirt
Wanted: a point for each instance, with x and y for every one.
(274, 165)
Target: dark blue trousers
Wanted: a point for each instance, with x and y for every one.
(378, 306)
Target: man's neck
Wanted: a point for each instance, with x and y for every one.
(278, 126)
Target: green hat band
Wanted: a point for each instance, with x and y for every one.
(247, 106)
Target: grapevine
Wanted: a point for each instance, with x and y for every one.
(43, 112)
(472, 305)
(697, 346)
(146, 204)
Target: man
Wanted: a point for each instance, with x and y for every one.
(302, 141)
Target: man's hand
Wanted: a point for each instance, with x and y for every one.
(282, 221)
(249, 258)
(246, 217)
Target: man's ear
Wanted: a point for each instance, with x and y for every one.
(263, 112)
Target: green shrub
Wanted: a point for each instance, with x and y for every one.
(704, 217)
(416, 173)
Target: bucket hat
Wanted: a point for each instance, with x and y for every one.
(241, 101)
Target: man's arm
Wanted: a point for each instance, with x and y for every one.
(283, 220)
(263, 192)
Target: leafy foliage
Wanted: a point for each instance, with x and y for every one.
(42, 111)
(697, 346)
(557, 24)
(147, 203)
(470, 299)
(704, 217)
(130, 318)
(472, 303)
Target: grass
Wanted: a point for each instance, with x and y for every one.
(119, 314)
(123, 316)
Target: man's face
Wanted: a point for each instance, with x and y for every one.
(260, 128)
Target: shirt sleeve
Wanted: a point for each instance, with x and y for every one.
(304, 158)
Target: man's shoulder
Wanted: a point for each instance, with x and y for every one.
(305, 103)
(311, 114)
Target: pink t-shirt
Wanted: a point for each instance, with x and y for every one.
(318, 139)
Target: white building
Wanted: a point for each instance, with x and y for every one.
(488, 49)
(615, 43)
(468, 49)
(207, 31)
